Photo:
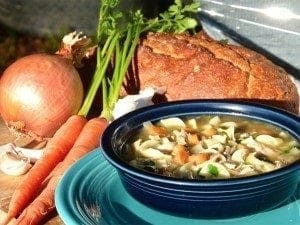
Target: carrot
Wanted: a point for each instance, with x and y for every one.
(88, 139)
(55, 151)
(198, 158)
(157, 130)
(181, 155)
(192, 139)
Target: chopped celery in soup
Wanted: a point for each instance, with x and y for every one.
(210, 147)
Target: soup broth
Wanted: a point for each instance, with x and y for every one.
(210, 147)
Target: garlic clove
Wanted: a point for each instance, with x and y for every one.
(32, 154)
(133, 102)
(14, 164)
(16, 161)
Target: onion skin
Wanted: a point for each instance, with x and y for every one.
(42, 91)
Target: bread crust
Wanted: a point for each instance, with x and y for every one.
(198, 67)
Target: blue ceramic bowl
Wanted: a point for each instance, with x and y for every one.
(203, 198)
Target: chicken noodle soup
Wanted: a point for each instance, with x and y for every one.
(210, 147)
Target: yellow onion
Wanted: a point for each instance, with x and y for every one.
(39, 92)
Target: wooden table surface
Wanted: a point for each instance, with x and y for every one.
(9, 183)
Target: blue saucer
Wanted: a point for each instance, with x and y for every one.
(91, 193)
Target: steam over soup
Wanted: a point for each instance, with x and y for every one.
(210, 147)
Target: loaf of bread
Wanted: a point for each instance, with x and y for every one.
(198, 67)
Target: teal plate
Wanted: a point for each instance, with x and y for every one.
(91, 193)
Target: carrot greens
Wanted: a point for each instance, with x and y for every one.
(117, 42)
